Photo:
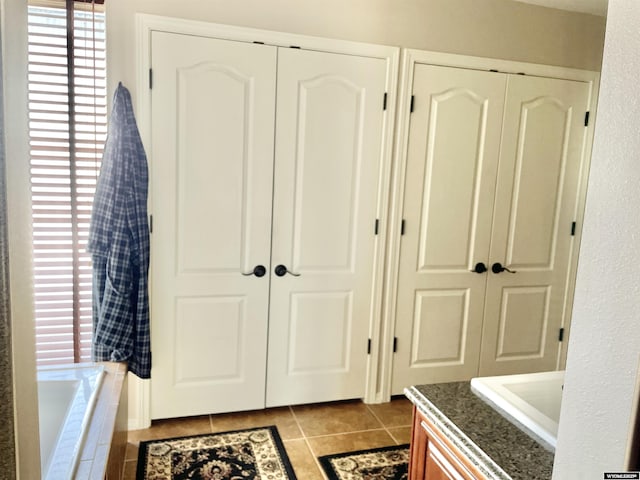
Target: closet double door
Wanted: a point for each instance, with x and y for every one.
(265, 164)
(492, 176)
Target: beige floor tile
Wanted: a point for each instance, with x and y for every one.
(130, 470)
(400, 434)
(282, 418)
(303, 462)
(171, 428)
(131, 452)
(396, 413)
(330, 428)
(333, 418)
(350, 442)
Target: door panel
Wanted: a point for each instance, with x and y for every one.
(454, 171)
(200, 247)
(538, 182)
(330, 113)
(454, 141)
(524, 316)
(438, 340)
(320, 326)
(535, 205)
(211, 182)
(328, 148)
(205, 358)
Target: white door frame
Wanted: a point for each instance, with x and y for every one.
(409, 58)
(139, 390)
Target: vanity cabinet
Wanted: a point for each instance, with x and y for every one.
(433, 457)
(492, 186)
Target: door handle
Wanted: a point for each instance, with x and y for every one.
(479, 268)
(258, 271)
(281, 271)
(498, 268)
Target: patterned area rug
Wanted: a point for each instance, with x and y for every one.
(255, 453)
(389, 463)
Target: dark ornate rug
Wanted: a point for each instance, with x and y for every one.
(389, 463)
(255, 453)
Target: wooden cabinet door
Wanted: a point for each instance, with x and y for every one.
(454, 144)
(434, 458)
(211, 165)
(329, 125)
(438, 466)
(542, 154)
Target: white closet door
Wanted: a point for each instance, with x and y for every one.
(328, 152)
(542, 152)
(211, 165)
(454, 142)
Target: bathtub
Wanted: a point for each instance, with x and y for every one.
(531, 401)
(66, 397)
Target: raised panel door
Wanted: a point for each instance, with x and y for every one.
(329, 126)
(454, 142)
(211, 164)
(536, 197)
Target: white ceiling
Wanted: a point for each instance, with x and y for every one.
(594, 7)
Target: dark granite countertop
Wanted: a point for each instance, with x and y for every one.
(499, 449)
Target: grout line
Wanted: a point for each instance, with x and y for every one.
(385, 427)
(381, 423)
(306, 441)
(124, 468)
(349, 433)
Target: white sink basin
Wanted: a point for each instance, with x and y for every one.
(531, 401)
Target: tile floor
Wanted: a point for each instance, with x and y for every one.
(308, 431)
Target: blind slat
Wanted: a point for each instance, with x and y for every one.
(63, 181)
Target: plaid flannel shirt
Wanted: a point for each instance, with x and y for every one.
(119, 244)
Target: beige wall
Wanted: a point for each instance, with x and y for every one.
(489, 28)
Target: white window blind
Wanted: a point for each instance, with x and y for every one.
(67, 126)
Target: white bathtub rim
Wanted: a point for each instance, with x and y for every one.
(515, 409)
(64, 462)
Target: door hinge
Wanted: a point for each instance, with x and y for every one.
(150, 223)
(412, 103)
(586, 119)
(384, 101)
(395, 344)
(561, 334)
(377, 225)
(402, 227)
(573, 229)
(150, 79)
(369, 347)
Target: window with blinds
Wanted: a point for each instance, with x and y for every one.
(67, 127)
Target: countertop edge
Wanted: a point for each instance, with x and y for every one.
(479, 458)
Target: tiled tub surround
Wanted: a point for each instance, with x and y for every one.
(66, 398)
(83, 421)
(499, 449)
